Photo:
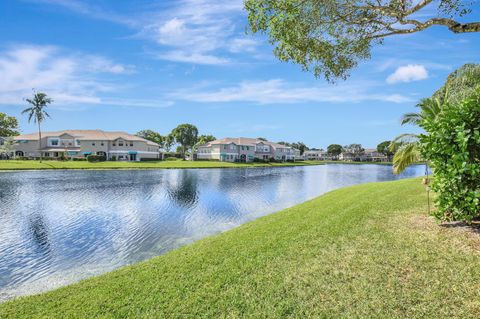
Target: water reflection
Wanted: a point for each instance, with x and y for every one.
(62, 226)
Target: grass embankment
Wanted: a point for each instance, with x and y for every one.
(36, 165)
(365, 251)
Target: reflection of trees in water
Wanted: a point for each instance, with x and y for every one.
(39, 232)
(185, 191)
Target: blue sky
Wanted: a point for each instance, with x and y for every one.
(132, 65)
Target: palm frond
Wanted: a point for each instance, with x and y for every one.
(411, 118)
(406, 155)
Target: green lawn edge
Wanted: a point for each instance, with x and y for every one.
(367, 251)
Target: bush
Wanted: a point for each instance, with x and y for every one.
(150, 159)
(172, 159)
(452, 146)
(78, 159)
(113, 158)
(96, 158)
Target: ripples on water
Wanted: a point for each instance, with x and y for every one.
(58, 227)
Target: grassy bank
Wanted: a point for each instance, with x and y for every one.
(36, 165)
(365, 251)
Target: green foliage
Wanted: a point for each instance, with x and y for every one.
(384, 148)
(460, 84)
(37, 110)
(8, 125)
(96, 158)
(204, 139)
(151, 136)
(334, 149)
(452, 146)
(355, 149)
(331, 37)
(186, 135)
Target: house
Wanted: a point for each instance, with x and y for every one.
(372, 155)
(316, 155)
(348, 157)
(243, 149)
(81, 143)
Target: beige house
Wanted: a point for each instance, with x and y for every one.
(243, 149)
(81, 143)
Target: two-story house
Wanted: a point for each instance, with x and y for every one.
(243, 149)
(81, 143)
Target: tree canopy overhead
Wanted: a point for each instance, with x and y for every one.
(330, 37)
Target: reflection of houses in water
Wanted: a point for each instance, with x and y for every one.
(184, 190)
(39, 231)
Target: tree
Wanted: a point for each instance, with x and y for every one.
(460, 84)
(186, 135)
(37, 112)
(334, 150)
(6, 147)
(300, 146)
(262, 139)
(204, 139)
(151, 136)
(168, 142)
(8, 125)
(384, 148)
(331, 37)
(356, 149)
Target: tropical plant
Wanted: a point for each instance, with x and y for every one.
(186, 135)
(451, 143)
(460, 83)
(37, 112)
(406, 146)
(331, 37)
(8, 125)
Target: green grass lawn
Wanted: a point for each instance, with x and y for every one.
(36, 165)
(365, 251)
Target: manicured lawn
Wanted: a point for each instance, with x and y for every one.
(29, 165)
(365, 251)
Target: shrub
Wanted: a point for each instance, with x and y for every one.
(452, 146)
(113, 158)
(96, 158)
(172, 159)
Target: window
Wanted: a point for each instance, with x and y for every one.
(224, 147)
(101, 144)
(131, 143)
(113, 144)
(120, 143)
(78, 142)
(54, 142)
(93, 144)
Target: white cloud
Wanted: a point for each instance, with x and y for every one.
(277, 91)
(197, 31)
(69, 78)
(408, 73)
(239, 45)
(195, 58)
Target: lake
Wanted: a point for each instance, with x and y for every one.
(58, 227)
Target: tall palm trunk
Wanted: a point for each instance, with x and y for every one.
(40, 141)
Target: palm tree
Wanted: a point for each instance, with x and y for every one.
(407, 146)
(37, 113)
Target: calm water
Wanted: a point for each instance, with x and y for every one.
(58, 227)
